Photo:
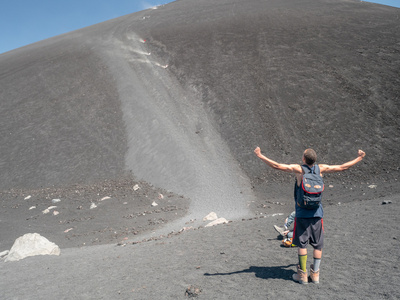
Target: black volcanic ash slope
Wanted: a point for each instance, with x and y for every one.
(283, 75)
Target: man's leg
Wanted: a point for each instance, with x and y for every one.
(283, 231)
(314, 268)
(290, 219)
(301, 275)
(317, 259)
(318, 243)
(303, 258)
(301, 240)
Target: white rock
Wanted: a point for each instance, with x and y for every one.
(55, 200)
(136, 187)
(277, 214)
(31, 244)
(217, 222)
(154, 204)
(27, 197)
(93, 206)
(47, 210)
(55, 213)
(372, 186)
(32, 207)
(210, 217)
(160, 196)
(105, 198)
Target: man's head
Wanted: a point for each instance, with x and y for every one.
(310, 157)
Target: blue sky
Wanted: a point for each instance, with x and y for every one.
(394, 3)
(24, 22)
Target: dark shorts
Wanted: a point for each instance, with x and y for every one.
(308, 231)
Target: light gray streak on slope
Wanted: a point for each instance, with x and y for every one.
(172, 143)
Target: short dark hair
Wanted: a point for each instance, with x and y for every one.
(310, 156)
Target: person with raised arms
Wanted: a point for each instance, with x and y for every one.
(308, 226)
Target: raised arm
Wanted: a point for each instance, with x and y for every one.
(343, 167)
(293, 168)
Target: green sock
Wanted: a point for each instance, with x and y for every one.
(303, 262)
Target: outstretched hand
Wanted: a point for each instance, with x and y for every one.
(257, 151)
(361, 153)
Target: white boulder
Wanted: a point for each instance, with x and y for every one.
(31, 244)
(210, 217)
(217, 222)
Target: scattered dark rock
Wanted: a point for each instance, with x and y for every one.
(192, 291)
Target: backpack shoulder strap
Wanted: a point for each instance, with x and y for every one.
(317, 170)
(306, 169)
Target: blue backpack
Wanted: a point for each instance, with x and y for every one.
(312, 186)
